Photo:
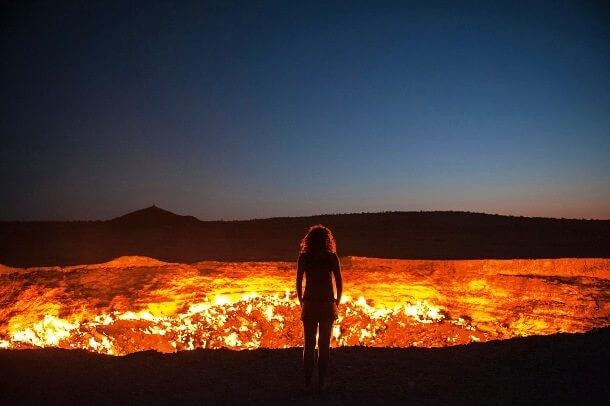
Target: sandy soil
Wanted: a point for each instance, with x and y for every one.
(559, 369)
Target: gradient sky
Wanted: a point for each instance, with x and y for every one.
(242, 110)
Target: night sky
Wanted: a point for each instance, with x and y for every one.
(243, 110)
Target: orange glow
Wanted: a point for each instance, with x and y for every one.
(134, 303)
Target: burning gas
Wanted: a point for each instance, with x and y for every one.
(135, 303)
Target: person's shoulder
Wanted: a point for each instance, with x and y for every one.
(302, 257)
(333, 257)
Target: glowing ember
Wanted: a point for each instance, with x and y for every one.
(134, 304)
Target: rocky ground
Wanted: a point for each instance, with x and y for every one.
(558, 369)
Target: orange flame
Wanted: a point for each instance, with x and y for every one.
(134, 304)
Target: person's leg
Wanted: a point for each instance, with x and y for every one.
(324, 349)
(309, 330)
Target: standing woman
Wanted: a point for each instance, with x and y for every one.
(319, 262)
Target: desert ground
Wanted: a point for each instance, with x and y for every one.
(556, 369)
(58, 272)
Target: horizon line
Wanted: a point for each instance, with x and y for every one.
(307, 216)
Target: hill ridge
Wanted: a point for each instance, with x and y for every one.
(152, 214)
(169, 237)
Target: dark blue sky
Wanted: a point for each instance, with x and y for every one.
(241, 110)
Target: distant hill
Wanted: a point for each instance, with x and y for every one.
(153, 215)
(157, 233)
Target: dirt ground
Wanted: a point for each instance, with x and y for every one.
(559, 369)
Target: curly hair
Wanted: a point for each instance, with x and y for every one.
(318, 238)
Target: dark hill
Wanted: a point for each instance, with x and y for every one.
(425, 235)
(152, 216)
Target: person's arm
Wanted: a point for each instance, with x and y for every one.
(338, 279)
(300, 280)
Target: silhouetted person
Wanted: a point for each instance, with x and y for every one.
(318, 261)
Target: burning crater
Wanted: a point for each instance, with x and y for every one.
(134, 303)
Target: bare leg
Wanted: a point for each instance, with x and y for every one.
(324, 349)
(309, 329)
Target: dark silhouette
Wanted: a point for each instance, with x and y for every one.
(318, 261)
(157, 233)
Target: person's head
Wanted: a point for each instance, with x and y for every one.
(318, 238)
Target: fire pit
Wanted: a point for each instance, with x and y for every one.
(135, 303)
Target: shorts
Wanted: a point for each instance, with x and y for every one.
(319, 311)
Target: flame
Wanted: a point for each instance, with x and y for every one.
(134, 304)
